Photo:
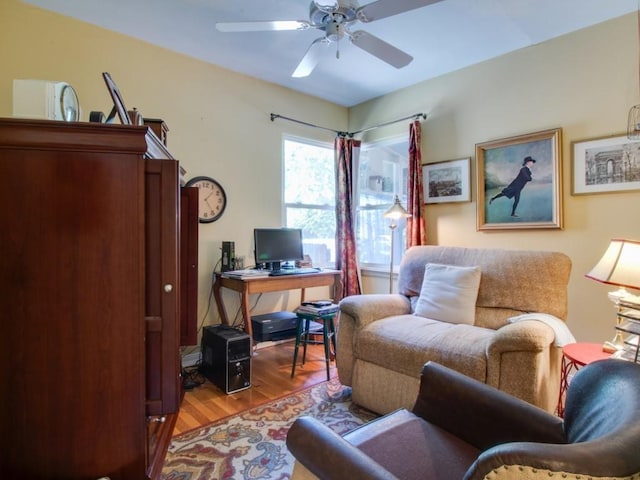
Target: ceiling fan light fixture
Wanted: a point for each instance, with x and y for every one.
(334, 31)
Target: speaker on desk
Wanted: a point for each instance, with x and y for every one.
(226, 358)
(228, 256)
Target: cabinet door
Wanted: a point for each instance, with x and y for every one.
(188, 266)
(72, 341)
(162, 286)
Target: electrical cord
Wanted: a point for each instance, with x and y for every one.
(196, 348)
(191, 377)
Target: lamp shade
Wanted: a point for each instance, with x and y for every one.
(620, 265)
(396, 211)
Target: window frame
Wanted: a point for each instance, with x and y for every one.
(308, 206)
(401, 225)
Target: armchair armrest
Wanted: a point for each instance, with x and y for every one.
(356, 312)
(327, 455)
(593, 459)
(480, 414)
(367, 308)
(529, 335)
(523, 350)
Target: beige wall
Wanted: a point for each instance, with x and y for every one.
(584, 83)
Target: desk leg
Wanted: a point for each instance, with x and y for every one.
(244, 305)
(222, 312)
(337, 288)
(246, 312)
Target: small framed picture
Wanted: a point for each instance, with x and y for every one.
(447, 181)
(605, 165)
(116, 96)
(520, 182)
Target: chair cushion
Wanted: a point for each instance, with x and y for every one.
(449, 293)
(404, 343)
(411, 448)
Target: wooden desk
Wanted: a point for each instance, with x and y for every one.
(247, 286)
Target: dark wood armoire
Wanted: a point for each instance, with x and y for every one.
(92, 299)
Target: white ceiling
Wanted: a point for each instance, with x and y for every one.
(442, 37)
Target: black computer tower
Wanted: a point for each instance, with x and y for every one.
(226, 358)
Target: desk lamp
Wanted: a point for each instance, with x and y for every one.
(395, 213)
(619, 266)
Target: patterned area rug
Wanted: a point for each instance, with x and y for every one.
(251, 445)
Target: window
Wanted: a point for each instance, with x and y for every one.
(309, 197)
(382, 174)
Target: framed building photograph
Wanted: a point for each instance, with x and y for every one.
(604, 165)
(520, 182)
(447, 181)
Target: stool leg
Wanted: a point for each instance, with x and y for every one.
(325, 338)
(295, 350)
(307, 326)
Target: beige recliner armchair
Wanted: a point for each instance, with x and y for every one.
(463, 429)
(508, 335)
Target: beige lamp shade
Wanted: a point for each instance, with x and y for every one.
(396, 211)
(620, 265)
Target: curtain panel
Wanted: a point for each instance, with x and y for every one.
(416, 231)
(346, 153)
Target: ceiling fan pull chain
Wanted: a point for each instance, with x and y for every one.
(338, 49)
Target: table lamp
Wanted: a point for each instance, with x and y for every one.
(619, 266)
(395, 213)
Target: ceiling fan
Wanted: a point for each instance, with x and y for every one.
(335, 18)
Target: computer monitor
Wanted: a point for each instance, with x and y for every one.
(276, 245)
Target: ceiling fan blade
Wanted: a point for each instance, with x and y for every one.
(262, 26)
(311, 58)
(387, 8)
(381, 49)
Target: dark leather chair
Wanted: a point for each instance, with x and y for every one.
(463, 429)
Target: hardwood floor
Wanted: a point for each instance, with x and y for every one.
(270, 379)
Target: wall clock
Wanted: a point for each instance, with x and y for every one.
(212, 199)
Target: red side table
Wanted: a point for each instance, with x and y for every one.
(574, 356)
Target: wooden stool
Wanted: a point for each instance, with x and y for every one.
(303, 331)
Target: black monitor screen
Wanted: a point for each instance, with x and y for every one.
(277, 244)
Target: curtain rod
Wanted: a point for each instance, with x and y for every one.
(415, 116)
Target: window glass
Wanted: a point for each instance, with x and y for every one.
(382, 174)
(309, 196)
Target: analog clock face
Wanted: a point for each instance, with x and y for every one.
(69, 104)
(212, 199)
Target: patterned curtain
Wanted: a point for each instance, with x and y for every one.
(416, 231)
(346, 154)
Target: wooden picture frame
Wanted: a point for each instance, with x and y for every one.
(605, 165)
(509, 196)
(448, 181)
(118, 103)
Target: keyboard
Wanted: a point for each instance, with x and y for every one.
(293, 271)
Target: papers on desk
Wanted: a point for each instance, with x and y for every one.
(246, 273)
